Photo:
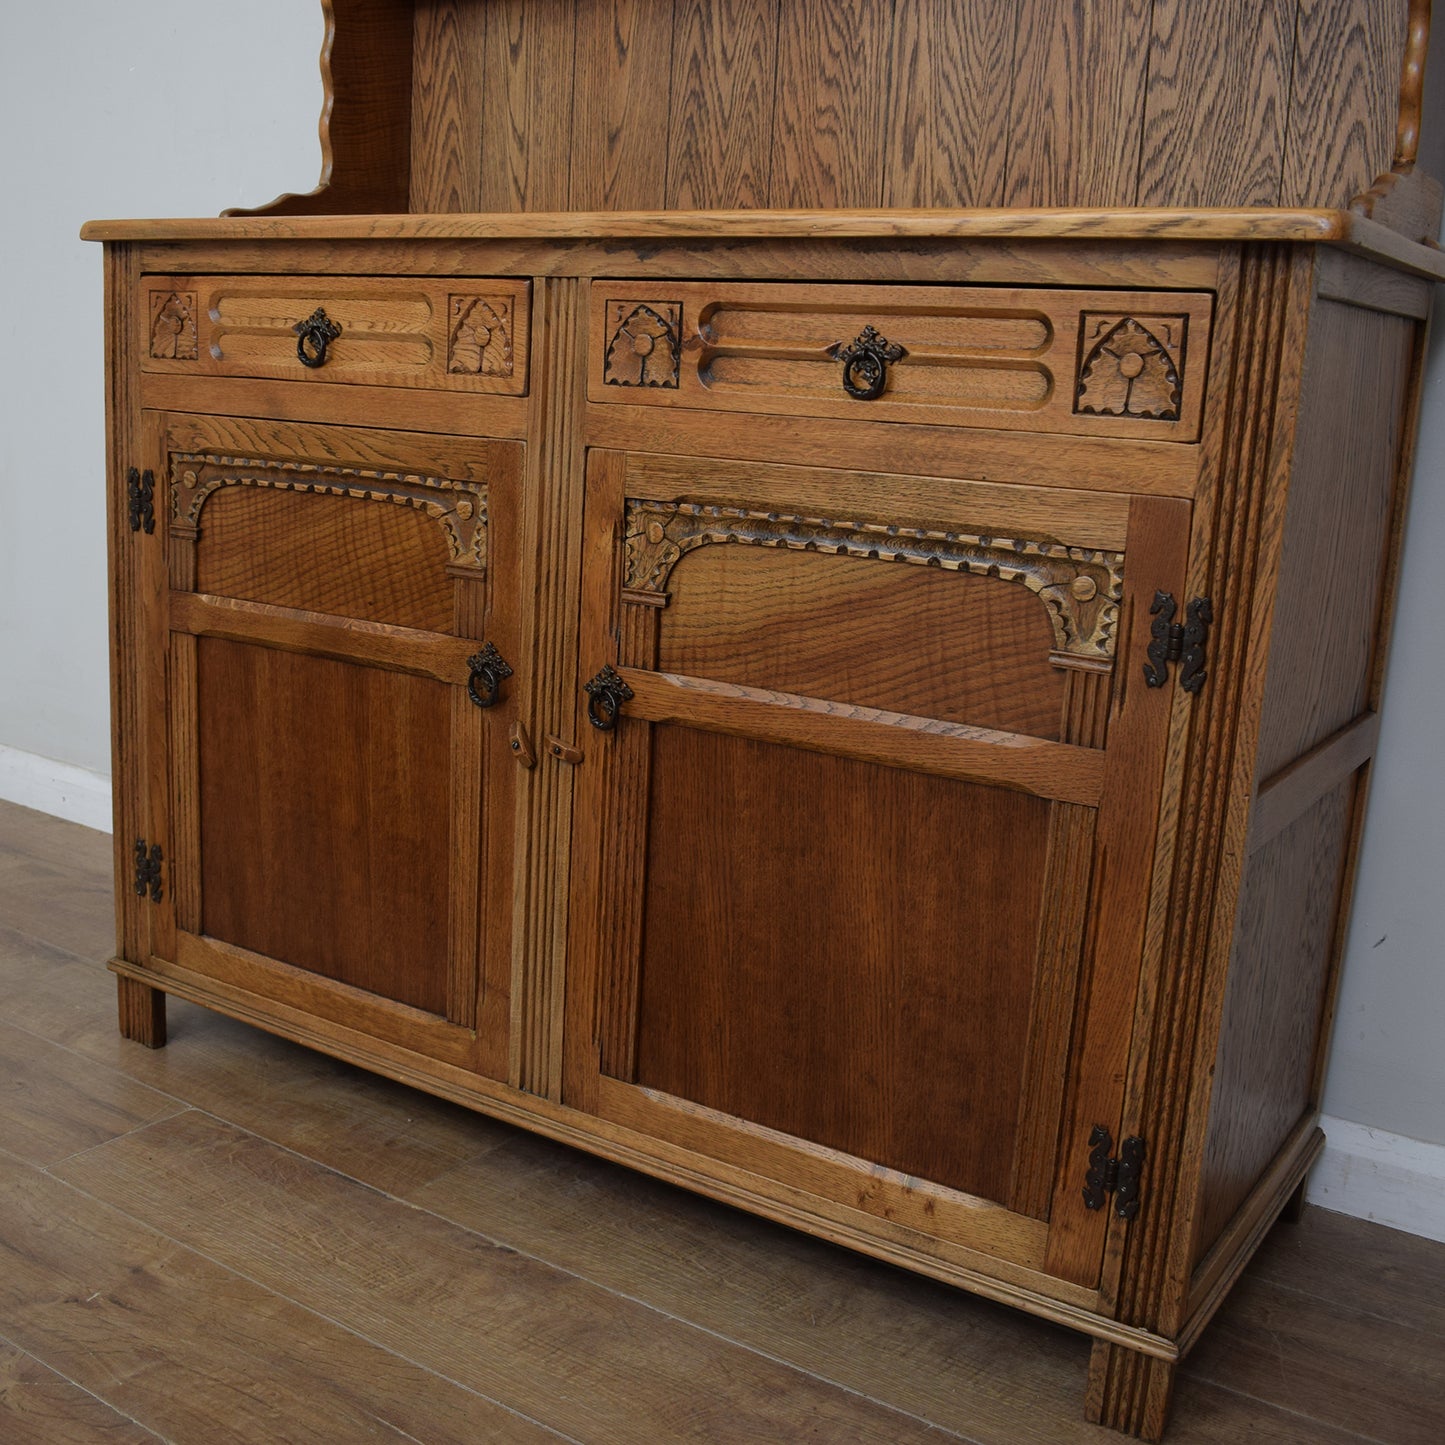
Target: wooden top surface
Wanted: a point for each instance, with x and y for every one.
(1318, 226)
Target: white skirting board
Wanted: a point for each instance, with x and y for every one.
(1364, 1172)
(1370, 1174)
(60, 789)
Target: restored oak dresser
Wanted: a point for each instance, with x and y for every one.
(795, 594)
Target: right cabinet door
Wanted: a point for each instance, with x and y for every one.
(865, 836)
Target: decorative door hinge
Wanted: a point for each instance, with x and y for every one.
(1178, 642)
(1119, 1177)
(140, 490)
(148, 870)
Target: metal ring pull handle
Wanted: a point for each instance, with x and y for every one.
(488, 671)
(320, 331)
(866, 360)
(605, 695)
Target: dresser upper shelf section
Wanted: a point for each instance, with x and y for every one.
(487, 106)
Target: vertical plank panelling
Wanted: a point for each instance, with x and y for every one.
(828, 126)
(949, 85)
(623, 73)
(1215, 114)
(527, 105)
(1078, 102)
(1341, 124)
(448, 47)
(724, 60)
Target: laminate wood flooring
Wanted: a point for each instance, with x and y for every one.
(234, 1238)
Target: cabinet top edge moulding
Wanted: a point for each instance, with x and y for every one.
(687, 118)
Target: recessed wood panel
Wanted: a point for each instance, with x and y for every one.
(340, 555)
(1337, 526)
(324, 818)
(1288, 913)
(906, 639)
(841, 951)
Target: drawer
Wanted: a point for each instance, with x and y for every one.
(1100, 363)
(462, 334)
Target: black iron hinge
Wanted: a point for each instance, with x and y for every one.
(148, 870)
(140, 490)
(1178, 642)
(1119, 1177)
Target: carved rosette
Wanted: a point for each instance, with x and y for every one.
(1080, 587)
(644, 345)
(479, 336)
(173, 326)
(1131, 368)
(460, 507)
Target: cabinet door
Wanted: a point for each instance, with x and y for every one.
(339, 626)
(862, 868)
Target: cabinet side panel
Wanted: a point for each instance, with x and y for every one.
(1274, 1003)
(841, 951)
(1341, 500)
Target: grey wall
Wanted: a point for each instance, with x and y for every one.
(182, 107)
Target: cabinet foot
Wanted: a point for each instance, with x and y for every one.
(1294, 1207)
(1129, 1391)
(142, 1012)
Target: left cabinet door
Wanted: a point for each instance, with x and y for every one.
(340, 655)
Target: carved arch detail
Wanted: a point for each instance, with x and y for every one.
(1080, 587)
(460, 507)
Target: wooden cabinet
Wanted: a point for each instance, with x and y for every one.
(863, 714)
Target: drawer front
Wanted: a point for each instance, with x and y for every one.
(462, 334)
(1094, 363)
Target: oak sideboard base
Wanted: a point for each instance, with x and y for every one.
(142, 1012)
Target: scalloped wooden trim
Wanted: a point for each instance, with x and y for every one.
(365, 124)
(1412, 85)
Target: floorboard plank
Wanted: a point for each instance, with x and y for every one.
(54, 1103)
(559, 1349)
(196, 1352)
(39, 1407)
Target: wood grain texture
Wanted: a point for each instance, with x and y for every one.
(1342, 129)
(527, 105)
(969, 650)
(1217, 103)
(280, 801)
(829, 127)
(142, 1012)
(326, 554)
(1261, 343)
(1270, 1030)
(126, 1313)
(1077, 103)
(1342, 502)
(366, 77)
(40, 1407)
(724, 64)
(621, 128)
(949, 72)
(550, 548)
(495, 1322)
(742, 1011)
(448, 51)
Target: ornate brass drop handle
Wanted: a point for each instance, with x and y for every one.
(605, 695)
(865, 363)
(318, 329)
(488, 671)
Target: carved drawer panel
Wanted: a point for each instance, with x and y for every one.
(461, 334)
(1110, 363)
